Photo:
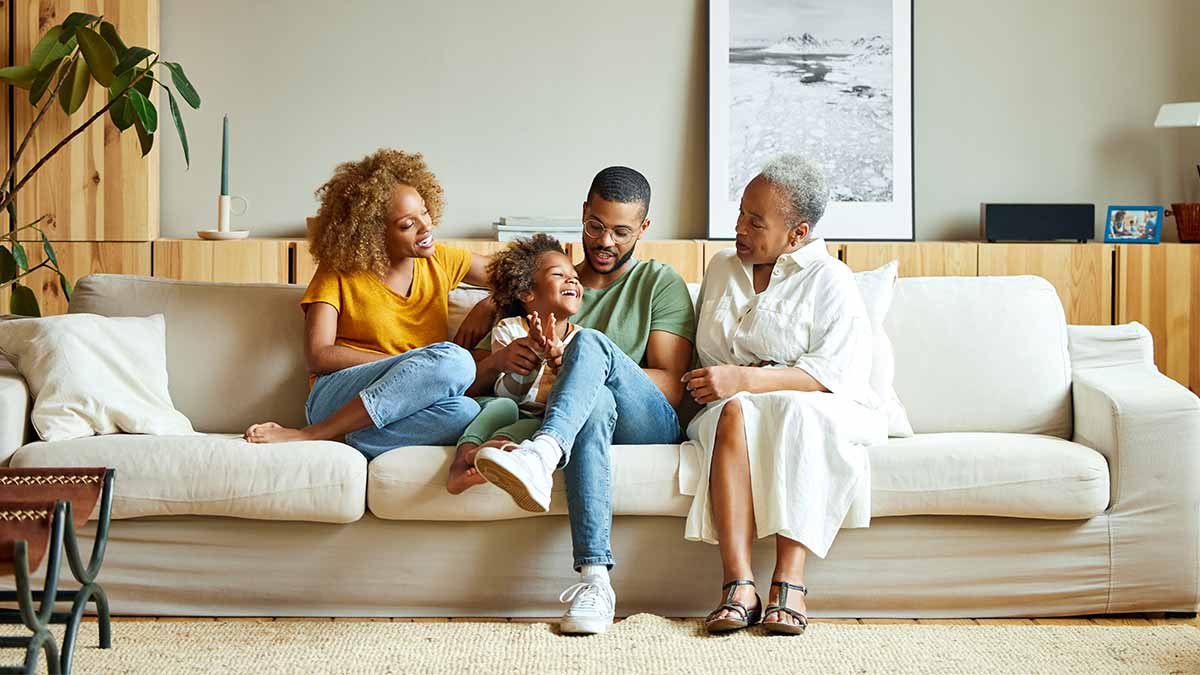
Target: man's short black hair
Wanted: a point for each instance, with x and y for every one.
(623, 185)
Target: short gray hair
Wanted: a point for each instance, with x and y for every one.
(804, 184)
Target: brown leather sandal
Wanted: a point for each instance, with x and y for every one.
(728, 624)
(779, 627)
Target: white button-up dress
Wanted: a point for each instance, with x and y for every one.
(809, 470)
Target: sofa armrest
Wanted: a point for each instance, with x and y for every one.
(1148, 428)
(14, 410)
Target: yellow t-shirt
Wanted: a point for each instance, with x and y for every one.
(374, 318)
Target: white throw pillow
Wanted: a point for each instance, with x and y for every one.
(878, 287)
(92, 374)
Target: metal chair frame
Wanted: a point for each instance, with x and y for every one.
(89, 591)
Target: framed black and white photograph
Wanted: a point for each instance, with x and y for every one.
(827, 79)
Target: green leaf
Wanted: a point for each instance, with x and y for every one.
(49, 251)
(19, 76)
(145, 84)
(43, 80)
(187, 161)
(73, 93)
(132, 57)
(145, 138)
(77, 19)
(8, 266)
(110, 35)
(23, 301)
(18, 252)
(41, 51)
(144, 110)
(100, 57)
(65, 286)
(186, 90)
(121, 114)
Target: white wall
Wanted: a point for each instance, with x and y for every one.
(517, 104)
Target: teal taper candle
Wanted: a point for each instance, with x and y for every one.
(225, 156)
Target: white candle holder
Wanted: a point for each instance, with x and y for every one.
(224, 211)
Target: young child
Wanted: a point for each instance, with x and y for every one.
(537, 290)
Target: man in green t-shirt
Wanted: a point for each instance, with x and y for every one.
(618, 383)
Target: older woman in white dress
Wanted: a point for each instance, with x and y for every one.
(785, 348)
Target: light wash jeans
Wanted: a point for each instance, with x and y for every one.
(415, 398)
(601, 397)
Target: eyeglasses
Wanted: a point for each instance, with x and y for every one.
(621, 234)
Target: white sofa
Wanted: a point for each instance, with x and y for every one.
(1054, 472)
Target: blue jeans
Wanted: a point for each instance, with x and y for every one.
(415, 398)
(601, 397)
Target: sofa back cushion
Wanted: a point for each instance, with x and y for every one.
(981, 354)
(235, 352)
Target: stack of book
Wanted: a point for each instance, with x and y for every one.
(509, 228)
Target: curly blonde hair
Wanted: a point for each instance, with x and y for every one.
(347, 234)
(510, 273)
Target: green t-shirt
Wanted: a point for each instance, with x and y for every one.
(651, 296)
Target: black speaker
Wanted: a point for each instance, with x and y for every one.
(1037, 222)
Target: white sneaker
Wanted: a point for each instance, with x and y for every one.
(521, 473)
(593, 603)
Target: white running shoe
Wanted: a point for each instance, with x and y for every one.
(593, 604)
(519, 472)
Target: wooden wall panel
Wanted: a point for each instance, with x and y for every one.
(685, 255)
(1159, 287)
(714, 246)
(1081, 273)
(98, 187)
(917, 259)
(303, 265)
(248, 261)
(79, 259)
(5, 8)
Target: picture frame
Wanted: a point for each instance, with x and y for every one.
(1133, 224)
(844, 71)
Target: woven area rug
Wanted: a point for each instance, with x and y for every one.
(639, 644)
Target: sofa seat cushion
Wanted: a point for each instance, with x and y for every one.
(988, 474)
(410, 484)
(218, 475)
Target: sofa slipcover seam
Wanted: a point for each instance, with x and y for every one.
(253, 496)
(976, 486)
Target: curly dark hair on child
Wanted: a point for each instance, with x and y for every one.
(511, 271)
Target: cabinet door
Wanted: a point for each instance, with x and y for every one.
(249, 261)
(1159, 287)
(79, 259)
(1081, 273)
(916, 259)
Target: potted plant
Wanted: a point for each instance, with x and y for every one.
(81, 51)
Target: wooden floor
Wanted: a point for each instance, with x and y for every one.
(1115, 620)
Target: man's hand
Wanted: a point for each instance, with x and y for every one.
(518, 357)
(715, 383)
(477, 324)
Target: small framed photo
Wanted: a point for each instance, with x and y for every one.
(1133, 225)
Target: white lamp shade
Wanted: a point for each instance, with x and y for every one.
(1178, 115)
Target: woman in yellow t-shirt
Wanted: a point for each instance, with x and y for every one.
(376, 313)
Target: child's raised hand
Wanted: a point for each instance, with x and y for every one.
(537, 334)
(554, 344)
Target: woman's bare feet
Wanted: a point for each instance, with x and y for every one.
(270, 432)
(463, 474)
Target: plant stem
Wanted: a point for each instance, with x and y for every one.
(24, 274)
(12, 167)
(78, 130)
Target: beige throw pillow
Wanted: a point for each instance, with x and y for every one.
(92, 374)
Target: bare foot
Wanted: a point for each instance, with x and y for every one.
(462, 470)
(743, 594)
(270, 432)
